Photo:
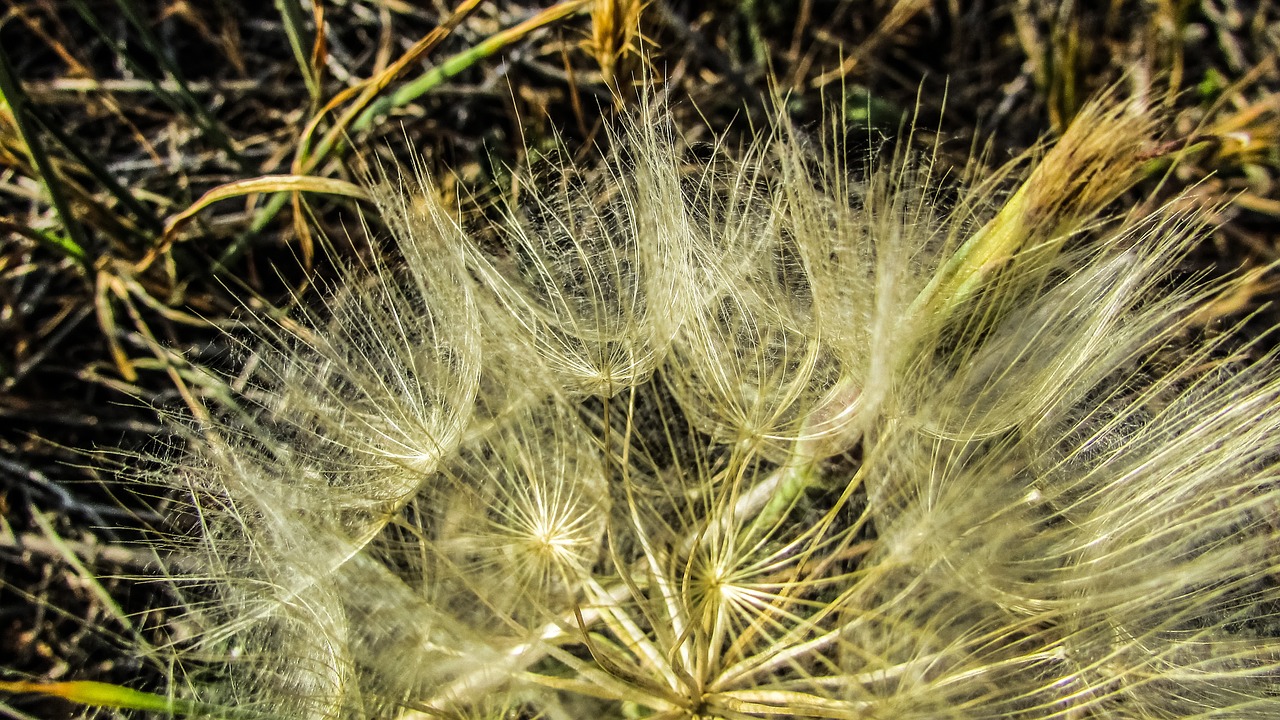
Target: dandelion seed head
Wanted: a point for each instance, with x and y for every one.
(765, 439)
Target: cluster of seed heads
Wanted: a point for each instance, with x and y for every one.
(752, 436)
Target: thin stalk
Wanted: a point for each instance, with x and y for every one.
(76, 244)
(465, 59)
(183, 100)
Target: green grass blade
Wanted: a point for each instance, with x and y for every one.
(295, 28)
(76, 243)
(183, 101)
(99, 171)
(58, 243)
(198, 111)
(461, 61)
(109, 695)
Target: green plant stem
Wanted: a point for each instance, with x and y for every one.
(294, 28)
(463, 60)
(76, 244)
(432, 79)
(108, 695)
(184, 101)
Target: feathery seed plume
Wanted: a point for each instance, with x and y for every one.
(753, 437)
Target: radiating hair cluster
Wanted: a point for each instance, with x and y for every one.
(751, 435)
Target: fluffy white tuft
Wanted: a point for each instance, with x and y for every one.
(754, 437)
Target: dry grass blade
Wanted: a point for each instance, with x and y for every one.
(310, 61)
(182, 100)
(250, 186)
(900, 14)
(307, 158)
(453, 65)
(615, 38)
